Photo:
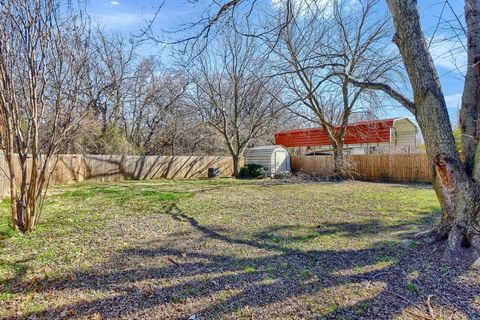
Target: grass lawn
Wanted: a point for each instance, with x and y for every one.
(232, 249)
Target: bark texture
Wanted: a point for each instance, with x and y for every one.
(236, 165)
(470, 111)
(456, 188)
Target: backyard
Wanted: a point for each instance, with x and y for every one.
(224, 248)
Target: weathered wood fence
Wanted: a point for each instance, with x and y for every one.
(372, 167)
(79, 168)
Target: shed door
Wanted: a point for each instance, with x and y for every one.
(280, 161)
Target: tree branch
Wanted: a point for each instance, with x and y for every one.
(405, 101)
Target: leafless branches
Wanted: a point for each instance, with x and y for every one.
(232, 94)
(319, 49)
(43, 61)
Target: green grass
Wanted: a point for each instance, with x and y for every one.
(124, 194)
(412, 287)
(87, 225)
(304, 273)
(73, 213)
(362, 308)
(6, 230)
(249, 269)
(270, 269)
(5, 296)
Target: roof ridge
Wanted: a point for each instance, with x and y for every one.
(349, 124)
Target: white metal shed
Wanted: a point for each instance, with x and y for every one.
(275, 158)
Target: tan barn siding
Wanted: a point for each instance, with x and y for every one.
(405, 133)
(406, 138)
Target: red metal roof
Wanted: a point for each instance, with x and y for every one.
(356, 133)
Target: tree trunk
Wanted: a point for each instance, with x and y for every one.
(9, 155)
(104, 120)
(470, 111)
(236, 165)
(338, 162)
(457, 192)
(13, 190)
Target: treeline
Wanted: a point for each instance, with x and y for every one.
(138, 104)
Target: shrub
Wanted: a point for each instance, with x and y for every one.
(253, 171)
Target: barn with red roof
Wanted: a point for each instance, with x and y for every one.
(395, 135)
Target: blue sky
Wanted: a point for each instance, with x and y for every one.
(128, 16)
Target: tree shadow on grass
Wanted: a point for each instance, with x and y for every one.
(269, 279)
(284, 234)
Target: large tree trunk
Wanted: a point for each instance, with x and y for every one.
(338, 161)
(236, 165)
(457, 191)
(470, 111)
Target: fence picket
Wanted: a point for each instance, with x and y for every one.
(413, 167)
(73, 168)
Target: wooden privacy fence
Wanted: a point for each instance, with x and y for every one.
(78, 168)
(413, 167)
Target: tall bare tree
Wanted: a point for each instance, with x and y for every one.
(115, 57)
(155, 108)
(138, 106)
(318, 46)
(457, 174)
(232, 93)
(43, 61)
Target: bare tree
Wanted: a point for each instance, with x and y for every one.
(138, 106)
(43, 61)
(115, 57)
(318, 46)
(155, 108)
(232, 94)
(456, 182)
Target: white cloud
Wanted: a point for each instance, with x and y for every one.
(120, 19)
(454, 101)
(115, 3)
(449, 54)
